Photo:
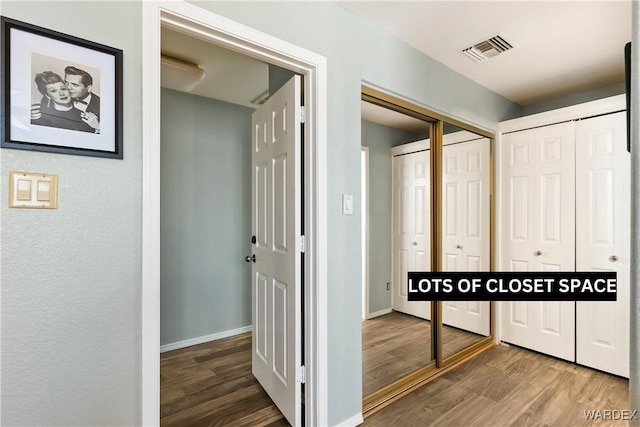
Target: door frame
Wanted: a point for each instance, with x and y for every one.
(216, 29)
(364, 177)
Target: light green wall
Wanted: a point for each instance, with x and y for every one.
(357, 51)
(71, 277)
(380, 139)
(205, 211)
(574, 99)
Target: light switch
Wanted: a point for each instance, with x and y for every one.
(347, 204)
(24, 189)
(43, 191)
(33, 190)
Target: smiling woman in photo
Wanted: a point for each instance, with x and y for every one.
(56, 107)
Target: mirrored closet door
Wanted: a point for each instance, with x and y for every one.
(396, 333)
(426, 206)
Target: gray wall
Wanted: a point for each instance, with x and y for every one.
(205, 217)
(380, 139)
(278, 77)
(71, 277)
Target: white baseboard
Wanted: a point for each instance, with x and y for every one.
(204, 338)
(356, 420)
(379, 313)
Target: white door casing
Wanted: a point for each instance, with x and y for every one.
(538, 233)
(364, 216)
(276, 271)
(466, 225)
(603, 239)
(193, 20)
(411, 227)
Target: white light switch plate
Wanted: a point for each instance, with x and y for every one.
(347, 204)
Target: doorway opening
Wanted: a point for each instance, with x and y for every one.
(195, 22)
(209, 95)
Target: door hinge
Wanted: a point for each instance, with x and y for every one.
(302, 244)
(302, 114)
(301, 377)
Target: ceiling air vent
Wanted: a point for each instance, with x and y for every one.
(261, 99)
(489, 48)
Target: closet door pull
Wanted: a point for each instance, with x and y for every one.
(613, 258)
(414, 243)
(458, 246)
(537, 253)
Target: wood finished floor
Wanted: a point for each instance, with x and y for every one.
(509, 386)
(397, 344)
(211, 385)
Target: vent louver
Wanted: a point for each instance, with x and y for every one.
(487, 49)
(261, 99)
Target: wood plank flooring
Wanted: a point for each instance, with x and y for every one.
(509, 386)
(211, 385)
(397, 344)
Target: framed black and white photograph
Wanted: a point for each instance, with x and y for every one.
(60, 93)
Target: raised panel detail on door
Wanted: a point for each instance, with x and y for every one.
(261, 205)
(261, 331)
(280, 301)
(538, 175)
(603, 221)
(519, 214)
(411, 228)
(280, 203)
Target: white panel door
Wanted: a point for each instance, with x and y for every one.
(465, 225)
(276, 270)
(538, 172)
(411, 228)
(603, 239)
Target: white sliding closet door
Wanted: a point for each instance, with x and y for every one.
(538, 176)
(411, 228)
(465, 224)
(602, 240)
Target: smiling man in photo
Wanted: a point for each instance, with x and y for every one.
(80, 83)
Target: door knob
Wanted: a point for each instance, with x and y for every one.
(537, 253)
(250, 258)
(458, 246)
(414, 243)
(613, 258)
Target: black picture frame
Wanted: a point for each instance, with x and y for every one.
(59, 93)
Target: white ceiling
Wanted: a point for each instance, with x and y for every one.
(561, 47)
(230, 76)
(393, 119)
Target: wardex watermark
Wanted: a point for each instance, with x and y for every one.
(611, 414)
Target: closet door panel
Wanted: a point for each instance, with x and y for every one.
(411, 233)
(519, 176)
(538, 169)
(466, 227)
(603, 224)
(555, 197)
